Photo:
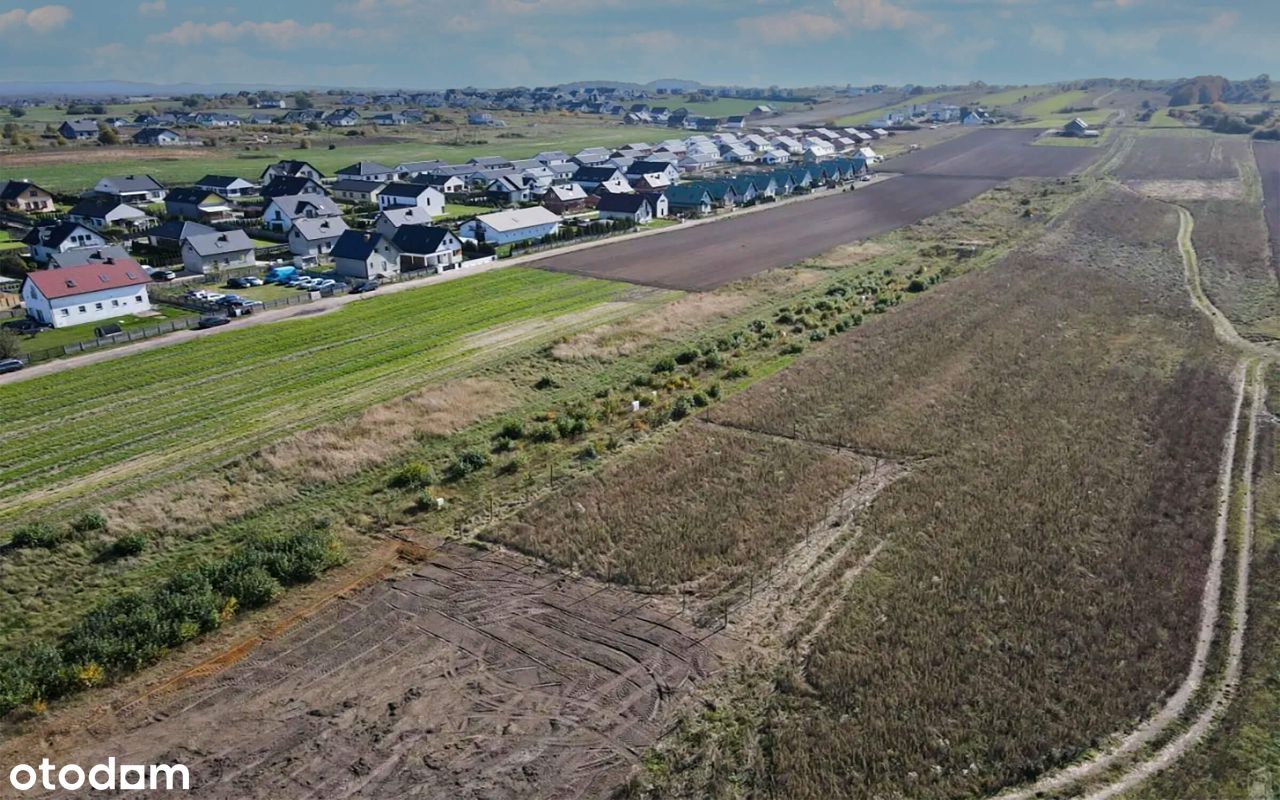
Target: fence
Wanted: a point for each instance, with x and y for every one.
(130, 335)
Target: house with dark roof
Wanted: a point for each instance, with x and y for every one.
(368, 171)
(375, 254)
(210, 252)
(24, 197)
(634, 207)
(227, 185)
(315, 237)
(170, 235)
(609, 177)
(88, 255)
(411, 168)
(157, 137)
(100, 212)
(342, 118)
(290, 168)
(78, 129)
(444, 183)
(722, 193)
(566, 198)
(59, 237)
(86, 293)
(356, 190)
(688, 199)
(286, 185)
(140, 189)
(201, 205)
(509, 190)
(414, 195)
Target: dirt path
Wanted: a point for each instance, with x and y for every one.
(1132, 744)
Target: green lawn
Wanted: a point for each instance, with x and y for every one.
(7, 242)
(58, 337)
(462, 210)
(661, 223)
(268, 291)
(1012, 96)
(177, 167)
(108, 424)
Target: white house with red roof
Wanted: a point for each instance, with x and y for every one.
(86, 293)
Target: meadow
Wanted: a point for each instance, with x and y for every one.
(185, 406)
(1047, 111)
(990, 639)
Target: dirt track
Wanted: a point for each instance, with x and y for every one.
(934, 179)
(478, 675)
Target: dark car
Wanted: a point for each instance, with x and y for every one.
(163, 275)
(238, 283)
(211, 322)
(366, 286)
(10, 365)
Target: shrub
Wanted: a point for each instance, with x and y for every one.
(546, 432)
(680, 408)
(713, 360)
(687, 356)
(414, 475)
(569, 427)
(129, 545)
(817, 336)
(92, 521)
(793, 348)
(253, 588)
(737, 372)
(700, 400)
(546, 382)
(513, 465)
(713, 391)
(641, 381)
(666, 364)
(512, 429)
(588, 452)
(37, 534)
(427, 501)
(916, 285)
(467, 463)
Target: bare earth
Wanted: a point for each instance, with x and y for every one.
(478, 675)
(1268, 157)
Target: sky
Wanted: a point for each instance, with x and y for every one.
(494, 43)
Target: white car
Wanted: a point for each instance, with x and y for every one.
(253, 280)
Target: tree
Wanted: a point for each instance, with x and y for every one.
(10, 347)
(302, 100)
(17, 112)
(107, 134)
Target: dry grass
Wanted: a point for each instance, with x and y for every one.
(851, 254)
(321, 455)
(670, 321)
(1175, 190)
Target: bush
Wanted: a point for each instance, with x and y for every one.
(680, 408)
(737, 372)
(713, 391)
(131, 545)
(687, 356)
(588, 453)
(467, 463)
(513, 465)
(700, 400)
(916, 285)
(546, 382)
(546, 432)
(253, 588)
(667, 364)
(569, 427)
(93, 521)
(817, 336)
(792, 349)
(413, 476)
(713, 360)
(512, 429)
(37, 534)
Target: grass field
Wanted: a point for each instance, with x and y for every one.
(1068, 374)
(1010, 97)
(73, 169)
(727, 106)
(866, 116)
(99, 425)
(57, 337)
(1046, 112)
(7, 242)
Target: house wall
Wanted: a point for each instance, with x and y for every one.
(377, 266)
(300, 246)
(492, 236)
(108, 304)
(195, 263)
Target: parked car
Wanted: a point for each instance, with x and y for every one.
(211, 322)
(240, 283)
(364, 287)
(229, 300)
(163, 275)
(10, 365)
(253, 280)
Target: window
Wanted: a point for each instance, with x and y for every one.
(81, 309)
(115, 303)
(98, 306)
(66, 313)
(138, 298)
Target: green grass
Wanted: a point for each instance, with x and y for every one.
(7, 242)
(660, 223)
(268, 291)
(864, 117)
(103, 424)
(1012, 96)
(463, 210)
(176, 168)
(1047, 112)
(59, 337)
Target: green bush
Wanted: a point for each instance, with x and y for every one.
(817, 336)
(588, 452)
(546, 382)
(92, 521)
(680, 408)
(467, 463)
(667, 364)
(713, 360)
(737, 372)
(916, 285)
(129, 545)
(687, 356)
(37, 534)
(569, 427)
(413, 476)
(545, 432)
(253, 588)
(427, 501)
(792, 349)
(512, 429)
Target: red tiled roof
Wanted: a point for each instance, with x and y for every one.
(69, 281)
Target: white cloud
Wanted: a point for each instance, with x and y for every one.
(41, 19)
(791, 26)
(877, 14)
(284, 33)
(154, 7)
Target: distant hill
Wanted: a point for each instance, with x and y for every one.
(1210, 89)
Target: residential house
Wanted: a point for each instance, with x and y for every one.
(368, 171)
(390, 220)
(654, 173)
(784, 182)
(509, 190)
(210, 252)
(367, 255)
(593, 178)
(342, 118)
(157, 137)
(746, 188)
(217, 119)
(509, 227)
(59, 237)
(446, 184)
(412, 195)
(659, 207)
(698, 162)
(562, 173)
(281, 212)
(290, 169)
(722, 193)
(411, 169)
(86, 293)
(735, 122)
(170, 235)
(282, 185)
(565, 198)
(775, 157)
(24, 197)
(393, 118)
(315, 237)
(490, 162)
(1078, 128)
(688, 199)
(356, 190)
(201, 205)
(81, 129)
(100, 213)
(634, 207)
(550, 157)
(139, 189)
(227, 185)
(88, 255)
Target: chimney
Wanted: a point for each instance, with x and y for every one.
(109, 260)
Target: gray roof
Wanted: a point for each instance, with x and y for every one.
(212, 244)
(365, 168)
(120, 184)
(296, 205)
(314, 229)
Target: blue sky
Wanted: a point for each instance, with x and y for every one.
(438, 43)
